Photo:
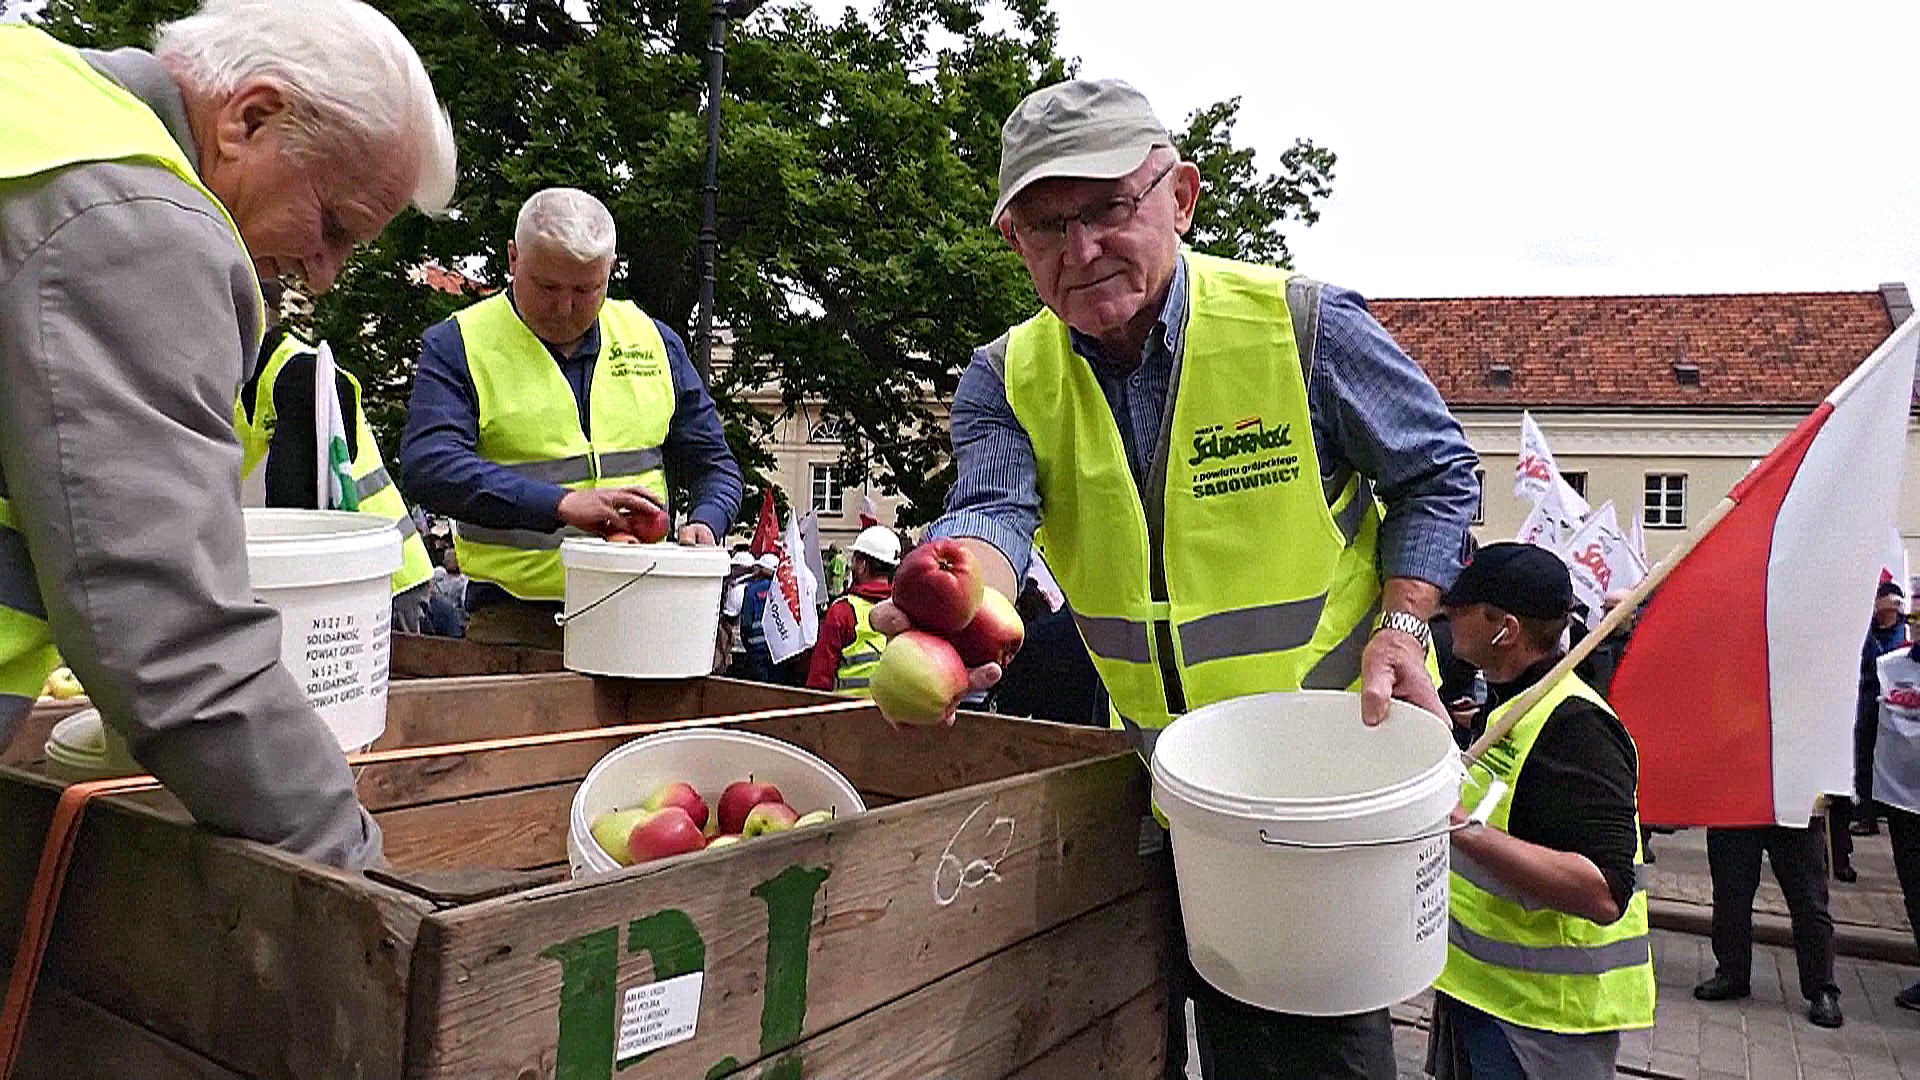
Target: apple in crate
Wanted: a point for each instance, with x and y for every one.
(683, 796)
(739, 799)
(723, 840)
(813, 817)
(938, 586)
(919, 679)
(995, 633)
(769, 817)
(663, 832)
(611, 829)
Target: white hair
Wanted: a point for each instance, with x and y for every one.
(348, 73)
(568, 219)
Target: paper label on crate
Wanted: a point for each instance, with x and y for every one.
(659, 1014)
(1430, 890)
(1153, 837)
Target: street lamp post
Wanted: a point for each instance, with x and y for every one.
(722, 10)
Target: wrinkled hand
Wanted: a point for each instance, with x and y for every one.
(1395, 666)
(604, 510)
(697, 535)
(890, 620)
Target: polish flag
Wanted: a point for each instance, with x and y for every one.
(1739, 682)
(766, 532)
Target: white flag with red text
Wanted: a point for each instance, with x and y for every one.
(791, 620)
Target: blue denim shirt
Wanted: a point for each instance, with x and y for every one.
(441, 470)
(1373, 410)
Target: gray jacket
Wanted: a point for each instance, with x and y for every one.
(126, 323)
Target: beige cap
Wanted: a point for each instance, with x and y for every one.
(1092, 129)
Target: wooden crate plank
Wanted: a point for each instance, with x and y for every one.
(417, 656)
(1129, 1042)
(301, 970)
(994, 1016)
(427, 712)
(70, 1038)
(796, 933)
(400, 784)
(515, 830)
(978, 748)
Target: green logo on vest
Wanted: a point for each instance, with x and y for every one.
(1247, 437)
(1217, 442)
(628, 361)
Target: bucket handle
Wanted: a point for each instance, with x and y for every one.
(1497, 788)
(562, 618)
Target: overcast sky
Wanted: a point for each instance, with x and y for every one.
(1528, 148)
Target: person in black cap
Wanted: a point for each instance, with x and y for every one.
(1548, 958)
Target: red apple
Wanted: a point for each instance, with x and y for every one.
(664, 832)
(683, 796)
(622, 538)
(919, 679)
(938, 586)
(739, 800)
(648, 524)
(994, 635)
(769, 817)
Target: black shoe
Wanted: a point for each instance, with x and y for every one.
(1846, 874)
(1824, 1009)
(1721, 988)
(1864, 828)
(1909, 998)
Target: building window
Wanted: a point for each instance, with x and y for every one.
(1480, 497)
(826, 488)
(1576, 480)
(1666, 502)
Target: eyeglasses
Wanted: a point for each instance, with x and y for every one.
(1097, 220)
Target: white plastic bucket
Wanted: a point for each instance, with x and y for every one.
(1316, 931)
(329, 572)
(644, 611)
(709, 760)
(82, 747)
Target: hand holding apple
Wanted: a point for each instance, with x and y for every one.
(938, 586)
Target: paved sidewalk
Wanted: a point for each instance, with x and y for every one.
(1869, 916)
(1765, 1037)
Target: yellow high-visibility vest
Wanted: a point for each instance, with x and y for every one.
(530, 423)
(60, 112)
(1242, 575)
(372, 483)
(1531, 965)
(857, 661)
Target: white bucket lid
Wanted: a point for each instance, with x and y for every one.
(1302, 756)
(663, 559)
(80, 748)
(290, 549)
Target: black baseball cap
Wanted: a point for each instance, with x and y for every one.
(1518, 578)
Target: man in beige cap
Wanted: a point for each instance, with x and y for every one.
(1241, 482)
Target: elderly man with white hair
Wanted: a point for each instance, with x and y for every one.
(142, 196)
(547, 410)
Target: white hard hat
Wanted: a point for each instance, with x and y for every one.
(769, 561)
(741, 559)
(879, 543)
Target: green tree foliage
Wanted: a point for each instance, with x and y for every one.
(858, 270)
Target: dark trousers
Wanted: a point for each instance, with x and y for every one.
(1866, 733)
(1244, 1042)
(1840, 816)
(1800, 866)
(1903, 828)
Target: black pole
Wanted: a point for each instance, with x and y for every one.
(710, 191)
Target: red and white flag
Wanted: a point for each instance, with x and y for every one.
(1738, 684)
(791, 620)
(1600, 559)
(869, 515)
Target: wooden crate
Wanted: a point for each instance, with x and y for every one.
(424, 656)
(993, 916)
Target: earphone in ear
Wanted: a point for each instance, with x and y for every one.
(1498, 636)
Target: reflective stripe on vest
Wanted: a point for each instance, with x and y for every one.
(530, 423)
(1161, 592)
(1526, 963)
(862, 654)
(372, 485)
(61, 112)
